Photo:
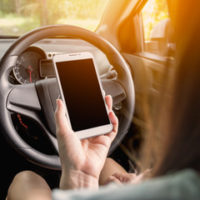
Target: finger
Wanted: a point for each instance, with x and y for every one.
(124, 177)
(112, 179)
(114, 121)
(67, 140)
(61, 120)
(109, 102)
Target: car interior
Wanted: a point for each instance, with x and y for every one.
(131, 44)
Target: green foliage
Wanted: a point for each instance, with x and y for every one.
(154, 12)
(46, 11)
(160, 10)
(56, 10)
(19, 16)
(7, 6)
(83, 9)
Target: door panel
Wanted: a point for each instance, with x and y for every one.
(147, 76)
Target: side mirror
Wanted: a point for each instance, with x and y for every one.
(161, 39)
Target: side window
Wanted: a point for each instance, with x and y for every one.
(156, 27)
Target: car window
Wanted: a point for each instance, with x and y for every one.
(156, 27)
(20, 16)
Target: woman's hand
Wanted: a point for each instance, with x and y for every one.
(123, 178)
(82, 160)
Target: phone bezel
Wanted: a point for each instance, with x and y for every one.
(91, 132)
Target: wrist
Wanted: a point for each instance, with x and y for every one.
(77, 180)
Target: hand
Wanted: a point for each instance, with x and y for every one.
(132, 178)
(122, 178)
(82, 160)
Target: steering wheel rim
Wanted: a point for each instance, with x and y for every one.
(9, 60)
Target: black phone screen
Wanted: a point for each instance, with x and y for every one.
(82, 93)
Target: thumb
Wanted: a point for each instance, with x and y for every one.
(67, 140)
(62, 125)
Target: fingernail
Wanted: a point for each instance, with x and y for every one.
(57, 103)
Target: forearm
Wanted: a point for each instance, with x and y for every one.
(77, 180)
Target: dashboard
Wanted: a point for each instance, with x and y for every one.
(31, 66)
(35, 63)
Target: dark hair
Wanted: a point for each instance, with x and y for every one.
(176, 126)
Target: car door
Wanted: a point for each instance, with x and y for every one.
(155, 49)
(142, 32)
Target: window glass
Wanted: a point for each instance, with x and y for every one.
(156, 25)
(19, 16)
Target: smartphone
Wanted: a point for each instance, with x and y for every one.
(82, 93)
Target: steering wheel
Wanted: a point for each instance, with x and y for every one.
(38, 99)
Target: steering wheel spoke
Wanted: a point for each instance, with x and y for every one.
(115, 89)
(23, 97)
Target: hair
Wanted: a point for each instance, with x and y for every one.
(173, 141)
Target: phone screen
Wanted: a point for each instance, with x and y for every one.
(82, 93)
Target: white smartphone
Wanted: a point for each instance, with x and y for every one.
(82, 93)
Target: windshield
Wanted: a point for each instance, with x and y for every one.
(20, 16)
